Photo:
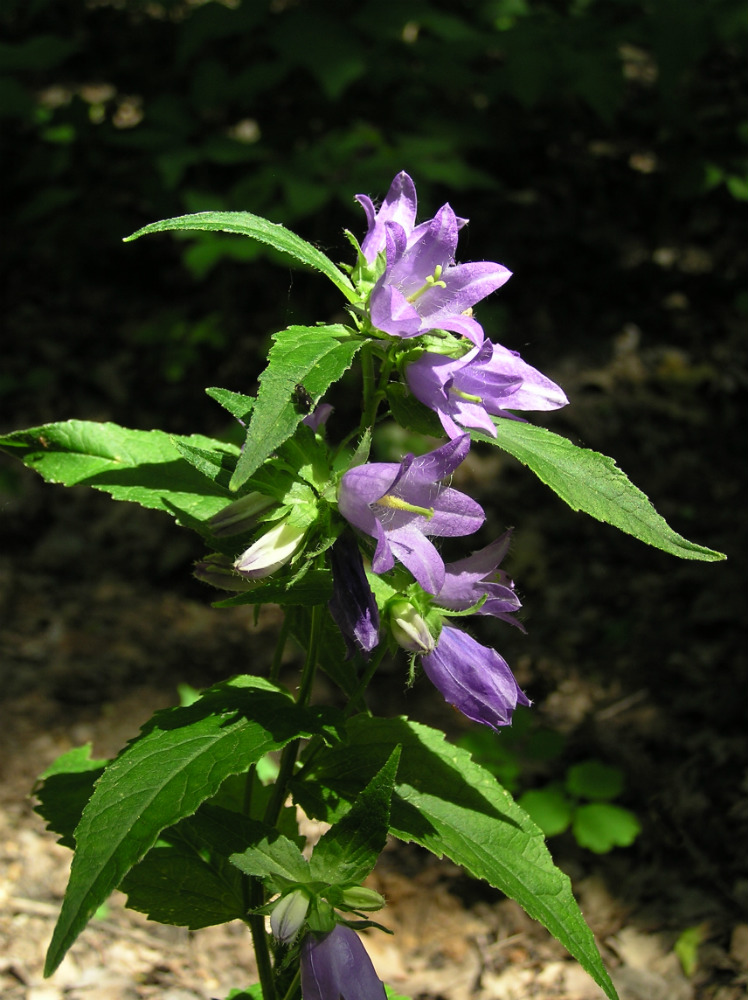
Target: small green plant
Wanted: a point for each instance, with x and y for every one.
(583, 800)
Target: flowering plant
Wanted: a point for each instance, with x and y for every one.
(305, 517)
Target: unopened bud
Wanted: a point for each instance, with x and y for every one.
(271, 551)
(218, 571)
(239, 516)
(288, 916)
(358, 897)
(409, 629)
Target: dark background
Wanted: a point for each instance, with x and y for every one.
(598, 149)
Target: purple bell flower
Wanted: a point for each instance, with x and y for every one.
(488, 380)
(400, 504)
(467, 580)
(352, 605)
(335, 966)
(473, 678)
(423, 289)
(400, 207)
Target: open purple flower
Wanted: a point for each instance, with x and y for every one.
(422, 288)
(352, 605)
(335, 966)
(467, 580)
(489, 379)
(399, 504)
(473, 678)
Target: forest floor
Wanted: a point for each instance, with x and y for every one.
(635, 657)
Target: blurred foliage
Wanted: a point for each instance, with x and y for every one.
(581, 801)
(547, 117)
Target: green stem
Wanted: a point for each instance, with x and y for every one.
(260, 941)
(371, 396)
(288, 757)
(293, 988)
(275, 667)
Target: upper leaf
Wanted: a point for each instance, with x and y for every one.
(179, 760)
(450, 805)
(143, 467)
(348, 852)
(311, 356)
(257, 228)
(593, 483)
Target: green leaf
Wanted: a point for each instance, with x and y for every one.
(179, 760)
(593, 483)
(257, 228)
(450, 805)
(312, 356)
(348, 852)
(687, 947)
(238, 405)
(142, 467)
(274, 857)
(189, 882)
(549, 808)
(594, 780)
(66, 787)
(174, 885)
(600, 826)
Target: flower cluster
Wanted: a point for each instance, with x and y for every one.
(468, 381)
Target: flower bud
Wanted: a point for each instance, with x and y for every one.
(409, 628)
(358, 897)
(218, 571)
(271, 551)
(288, 916)
(239, 516)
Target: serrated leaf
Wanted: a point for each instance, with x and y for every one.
(236, 403)
(174, 885)
(348, 852)
(315, 356)
(450, 805)
(189, 882)
(273, 856)
(66, 786)
(179, 760)
(600, 826)
(593, 483)
(143, 467)
(255, 227)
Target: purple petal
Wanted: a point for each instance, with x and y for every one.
(473, 678)
(536, 392)
(399, 206)
(352, 606)
(336, 966)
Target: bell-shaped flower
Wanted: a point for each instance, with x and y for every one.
(335, 966)
(423, 289)
(489, 379)
(352, 605)
(473, 678)
(400, 504)
(468, 580)
(271, 551)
